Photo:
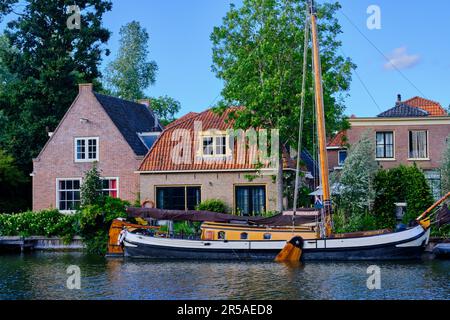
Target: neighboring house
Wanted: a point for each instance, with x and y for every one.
(113, 132)
(414, 131)
(212, 168)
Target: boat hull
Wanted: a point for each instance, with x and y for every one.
(398, 246)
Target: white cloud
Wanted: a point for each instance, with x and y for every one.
(401, 59)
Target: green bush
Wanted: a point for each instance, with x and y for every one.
(95, 221)
(213, 205)
(356, 222)
(46, 223)
(401, 184)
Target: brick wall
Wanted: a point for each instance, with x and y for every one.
(213, 185)
(437, 134)
(116, 158)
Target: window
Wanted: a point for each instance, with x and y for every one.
(385, 145)
(221, 235)
(418, 144)
(68, 194)
(250, 200)
(149, 138)
(434, 180)
(86, 149)
(178, 198)
(267, 236)
(342, 155)
(244, 236)
(214, 145)
(110, 187)
(208, 148)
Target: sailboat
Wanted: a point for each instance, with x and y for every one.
(233, 238)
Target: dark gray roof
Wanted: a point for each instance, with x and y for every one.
(130, 118)
(403, 111)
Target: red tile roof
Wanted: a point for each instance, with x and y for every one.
(159, 157)
(183, 118)
(432, 107)
(338, 140)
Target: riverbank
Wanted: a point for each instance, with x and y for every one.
(23, 244)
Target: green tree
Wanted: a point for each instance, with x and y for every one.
(445, 168)
(48, 60)
(90, 189)
(357, 177)
(12, 182)
(258, 53)
(131, 73)
(165, 108)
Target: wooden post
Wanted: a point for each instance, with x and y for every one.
(320, 115)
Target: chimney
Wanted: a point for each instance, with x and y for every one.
(85, 87)
(399, 98)
(145, 102)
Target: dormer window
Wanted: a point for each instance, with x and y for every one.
(148, 138)
(86, 149)
(214, 146)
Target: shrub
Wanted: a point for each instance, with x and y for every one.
(92, 183)
(44, 223)
(95, 221)
(213, 205)
(401, 184)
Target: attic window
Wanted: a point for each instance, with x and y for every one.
(148, 138)
(214, 145)
(86, 149)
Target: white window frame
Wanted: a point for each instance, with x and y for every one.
(341, 164)
(393, 146)
(147, 134)
(215, 136)
(427, 158)
(58, 190)
(86, 152)
(117, 187)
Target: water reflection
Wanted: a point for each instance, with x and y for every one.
(43, 276)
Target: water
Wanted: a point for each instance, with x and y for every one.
(42, 275)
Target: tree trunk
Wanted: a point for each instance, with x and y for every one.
(280, 184)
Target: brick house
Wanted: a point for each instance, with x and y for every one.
(213, 168)
(413, 131)
(112, 132)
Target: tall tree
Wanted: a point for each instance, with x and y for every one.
(357, 177)
(131, 72)
(258, 53)
(48, 59)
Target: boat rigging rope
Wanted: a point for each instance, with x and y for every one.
(302, 107)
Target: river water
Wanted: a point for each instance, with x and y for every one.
(43, 275)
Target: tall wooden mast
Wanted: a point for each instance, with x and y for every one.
(320, 115)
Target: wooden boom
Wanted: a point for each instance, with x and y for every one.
(434, 206)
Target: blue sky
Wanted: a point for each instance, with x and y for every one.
(414, 33)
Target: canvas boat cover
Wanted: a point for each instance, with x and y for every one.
(304, 216)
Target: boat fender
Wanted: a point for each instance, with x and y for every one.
(297, 242)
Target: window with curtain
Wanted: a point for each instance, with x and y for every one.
(110, 187)
(250, 200)
(385, 145)
(178, 198)
(418, 144)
